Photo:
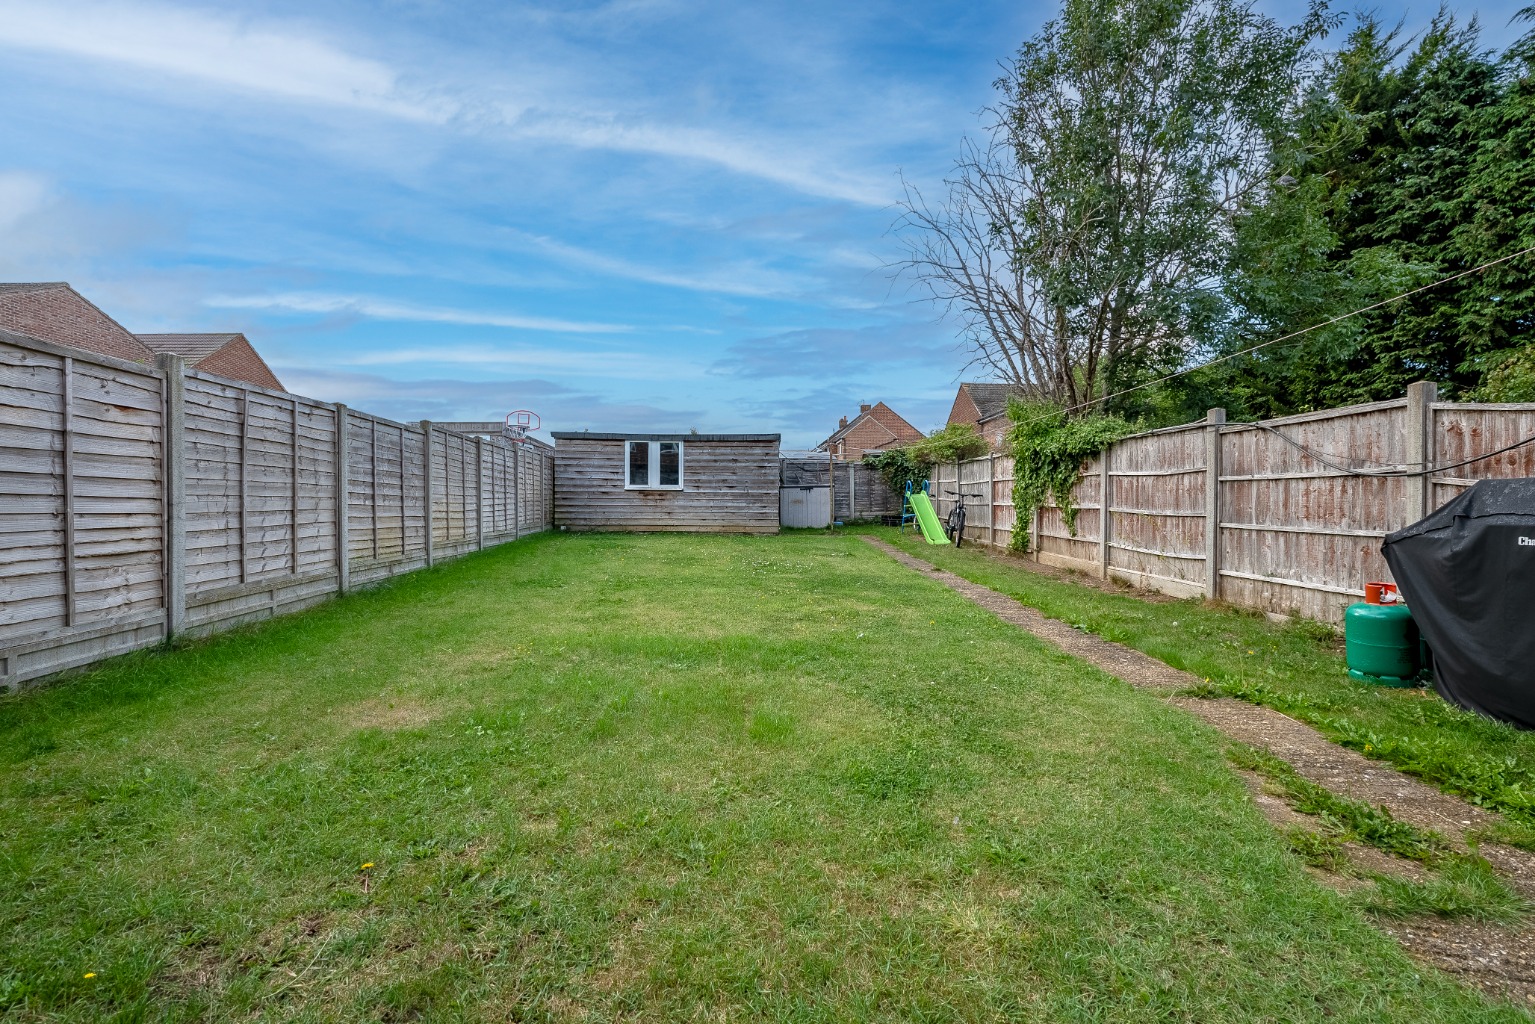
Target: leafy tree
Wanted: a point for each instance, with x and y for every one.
(1409, 162)
(1083, 244)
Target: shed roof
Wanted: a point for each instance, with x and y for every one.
(588, 435)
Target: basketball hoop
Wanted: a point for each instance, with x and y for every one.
(519, 424)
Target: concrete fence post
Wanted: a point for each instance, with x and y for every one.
(1418, 499)
(1105, 517)
(1214, 419)
(343, 503)
(991, 517)
(479, 493)
(173, 458)
(426, 485)
(516, 492)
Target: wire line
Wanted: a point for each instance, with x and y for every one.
(1294, 334)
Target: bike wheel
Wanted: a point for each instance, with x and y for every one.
(959, 526)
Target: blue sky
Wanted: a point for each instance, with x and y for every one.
(639, 214)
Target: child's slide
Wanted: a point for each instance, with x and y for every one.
(932, 530)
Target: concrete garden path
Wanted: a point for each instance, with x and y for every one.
(1497, 959)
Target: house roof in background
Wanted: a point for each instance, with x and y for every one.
(54, 311)
(192, 347)
(887, 418)
(990, 398)
(31, 286)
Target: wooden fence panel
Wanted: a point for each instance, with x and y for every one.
(1296, 536)
(1054, 543)
(86, 503)
(81, 507)
(1002, 514)
(1156, 509)
(1462, 432)
(1303, 502)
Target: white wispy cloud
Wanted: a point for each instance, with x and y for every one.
(384, 309)
(741, 279)
(290, 62)
(231, 52)
(606, 363)
(21, 194)
(449, 398)
(783, 163)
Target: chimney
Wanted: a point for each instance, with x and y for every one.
(843, 423)
(864, 407)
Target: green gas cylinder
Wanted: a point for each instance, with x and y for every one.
(1381, 644)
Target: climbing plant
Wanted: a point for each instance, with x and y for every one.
(1049, 449)
(898, 468)
(954, 443)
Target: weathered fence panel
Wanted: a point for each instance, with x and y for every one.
(1156, 510)
(1286, 516)
(81, 507)
(816, 490)
(136, 502)
(1297, 536)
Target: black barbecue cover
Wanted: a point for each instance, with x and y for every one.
(1467, 571)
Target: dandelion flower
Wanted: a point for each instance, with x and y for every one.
(367, 865)
(90, 974)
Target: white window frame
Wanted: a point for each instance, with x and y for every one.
(654, 462)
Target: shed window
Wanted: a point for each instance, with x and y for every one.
(653, 464)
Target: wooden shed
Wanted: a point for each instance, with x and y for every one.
(696, 483)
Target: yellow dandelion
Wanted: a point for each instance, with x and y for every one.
(367, 865)
(90, 974)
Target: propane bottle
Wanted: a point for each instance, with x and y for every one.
(1381, 640)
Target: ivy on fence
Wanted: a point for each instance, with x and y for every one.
(1049, 448)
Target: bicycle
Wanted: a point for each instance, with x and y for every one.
(955, 527)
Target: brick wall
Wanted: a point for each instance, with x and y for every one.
(964, 410)
(59, 314)
(240, 361)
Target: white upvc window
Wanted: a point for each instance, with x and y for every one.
(653, 465)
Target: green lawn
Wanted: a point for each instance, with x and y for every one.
(654, 778)
(1297, 668)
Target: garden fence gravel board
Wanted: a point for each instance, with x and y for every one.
(1284, 532)
(138, 502)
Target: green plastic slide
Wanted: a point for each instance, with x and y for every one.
(932, 529)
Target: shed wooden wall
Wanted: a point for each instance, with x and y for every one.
(728, 487)
(266, 508)
(1292, 535)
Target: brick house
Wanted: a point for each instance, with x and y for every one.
(53, 311)
(983, 405)
(228, 355)
(875, 428)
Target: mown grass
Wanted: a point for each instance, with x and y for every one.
(1296, 668)
(654, 778)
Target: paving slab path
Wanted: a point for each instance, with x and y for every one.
(1498, 960)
